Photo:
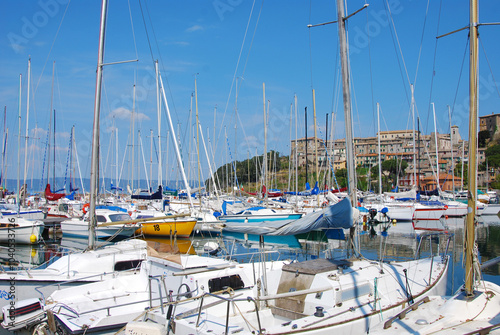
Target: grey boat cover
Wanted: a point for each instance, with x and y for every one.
(338, 216)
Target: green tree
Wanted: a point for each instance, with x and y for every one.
(482, 137)
(493, 155)
(391, 169)
(341, 175)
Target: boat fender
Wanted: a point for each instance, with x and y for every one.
(85, 208)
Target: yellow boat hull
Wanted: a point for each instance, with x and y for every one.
(179, 228)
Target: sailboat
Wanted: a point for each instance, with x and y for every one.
(473, 309)
(19, 307)
(317, 296)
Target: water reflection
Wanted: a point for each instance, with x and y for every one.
(392, 243)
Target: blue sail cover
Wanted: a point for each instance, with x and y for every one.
(158, 195)
(338, 216)
(307, 192)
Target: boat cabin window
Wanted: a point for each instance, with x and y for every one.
(127, 265)
(119, 217)
(101, 218)
(220, 283)
(63, 207)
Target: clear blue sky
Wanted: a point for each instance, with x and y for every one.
(204, 38)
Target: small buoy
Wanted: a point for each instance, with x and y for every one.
(394, 222)
(33, 238)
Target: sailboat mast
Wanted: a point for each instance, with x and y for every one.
(413, 120)
(198, 138)
(151, 155)
(176, 145)
(418, 153)
(462, 167)
(158, 112)
(4, 144)
(379, 158)
(344, 52)
(265, 138)
(296, 151)
(210, 164)
(315, 142)
(327, 170)
(94, 171)
(27, 129)
(306, 143)
(54, 150)
(116, 160)
(472, 176)
(452, 159)
(437, 147)
(19, 145)
(133, 136)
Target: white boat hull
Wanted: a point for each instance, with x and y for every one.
(423, 212)
(15, 230)
(80, 229)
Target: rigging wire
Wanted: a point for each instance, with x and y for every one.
(310, 44)
(133, 30)
(421, 43)
(434, 66)
(489, 66)
(237, 65)
(460, 77)
(394, 40)
(51, 47)
(243, 73)
(370, 67)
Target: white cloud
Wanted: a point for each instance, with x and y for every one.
(126, 114)
(194, 28)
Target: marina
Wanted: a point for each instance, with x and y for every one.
(397, 244)
(149, 221)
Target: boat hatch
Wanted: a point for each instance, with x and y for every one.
(353, 292)
(298, 277)
(315, 266)
(127, 265)
(220, 283)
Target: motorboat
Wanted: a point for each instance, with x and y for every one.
(112, 223)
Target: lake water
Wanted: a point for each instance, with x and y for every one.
(400, 243)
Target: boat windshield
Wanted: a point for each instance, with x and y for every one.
(119, 217)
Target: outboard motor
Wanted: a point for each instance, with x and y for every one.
(372, 212)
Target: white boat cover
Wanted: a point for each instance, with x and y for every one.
(338, 216)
